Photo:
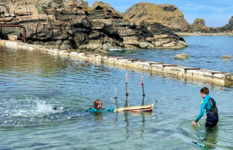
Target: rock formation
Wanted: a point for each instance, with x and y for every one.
(228, 27)
(226, 56)
(181, 56)
(73, 25)
(199, 26)
(166, 15)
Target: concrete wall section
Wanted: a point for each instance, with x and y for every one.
(167, 70)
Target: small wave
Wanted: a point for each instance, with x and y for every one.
(32, 111)
(40, 109)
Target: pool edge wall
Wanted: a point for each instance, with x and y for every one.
(195, 75)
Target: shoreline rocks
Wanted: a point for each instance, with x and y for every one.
(74, 25)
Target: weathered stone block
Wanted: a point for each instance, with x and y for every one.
(13, 37)
(130, 40)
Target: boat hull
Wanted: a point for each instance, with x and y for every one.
(145, 108)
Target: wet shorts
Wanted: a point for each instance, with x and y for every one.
(211, 120)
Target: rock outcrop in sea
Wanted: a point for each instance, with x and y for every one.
(227, 28)
(74, 25)
(166, 15)
(199, 26)
(170, 18)
(181, 56)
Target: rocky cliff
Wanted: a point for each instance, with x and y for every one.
(73, 25)
(166, 15)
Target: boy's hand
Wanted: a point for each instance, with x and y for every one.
(194, 123)
(111, 109)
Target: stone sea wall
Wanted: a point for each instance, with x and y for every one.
(168, 70)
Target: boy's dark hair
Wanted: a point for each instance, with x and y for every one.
(204, 90)
(96, 102)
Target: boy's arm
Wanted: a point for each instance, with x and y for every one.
(201, 111)
(92, 110)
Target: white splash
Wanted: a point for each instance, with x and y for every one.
(43, 108)
(33, 107)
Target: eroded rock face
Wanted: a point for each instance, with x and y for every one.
(44, 6)
(166, 15)
(18, 8)
(101, 10)
(73, 25)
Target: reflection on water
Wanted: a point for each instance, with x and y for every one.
(126, 126)
(98, 117)
(127, 122)
(28, 61)
(32, 84)
(143, 125)
(208, 138)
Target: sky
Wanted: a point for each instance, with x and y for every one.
(215, 12)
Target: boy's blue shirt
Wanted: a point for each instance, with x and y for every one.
(205, 104)
(92, 110)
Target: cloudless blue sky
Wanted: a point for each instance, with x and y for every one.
(215, 12)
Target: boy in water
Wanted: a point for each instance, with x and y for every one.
(209, 105)
(98, 107)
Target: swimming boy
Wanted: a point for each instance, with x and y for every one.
(209, 105)
(98, 107)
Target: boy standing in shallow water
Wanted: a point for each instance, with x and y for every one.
(98, 107)
(209, 105)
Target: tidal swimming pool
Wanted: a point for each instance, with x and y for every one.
(32, 84)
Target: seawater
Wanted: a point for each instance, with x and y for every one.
(205, 52)
(32, 84)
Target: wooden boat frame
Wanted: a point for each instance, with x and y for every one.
(133, 109)
(144, 108)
